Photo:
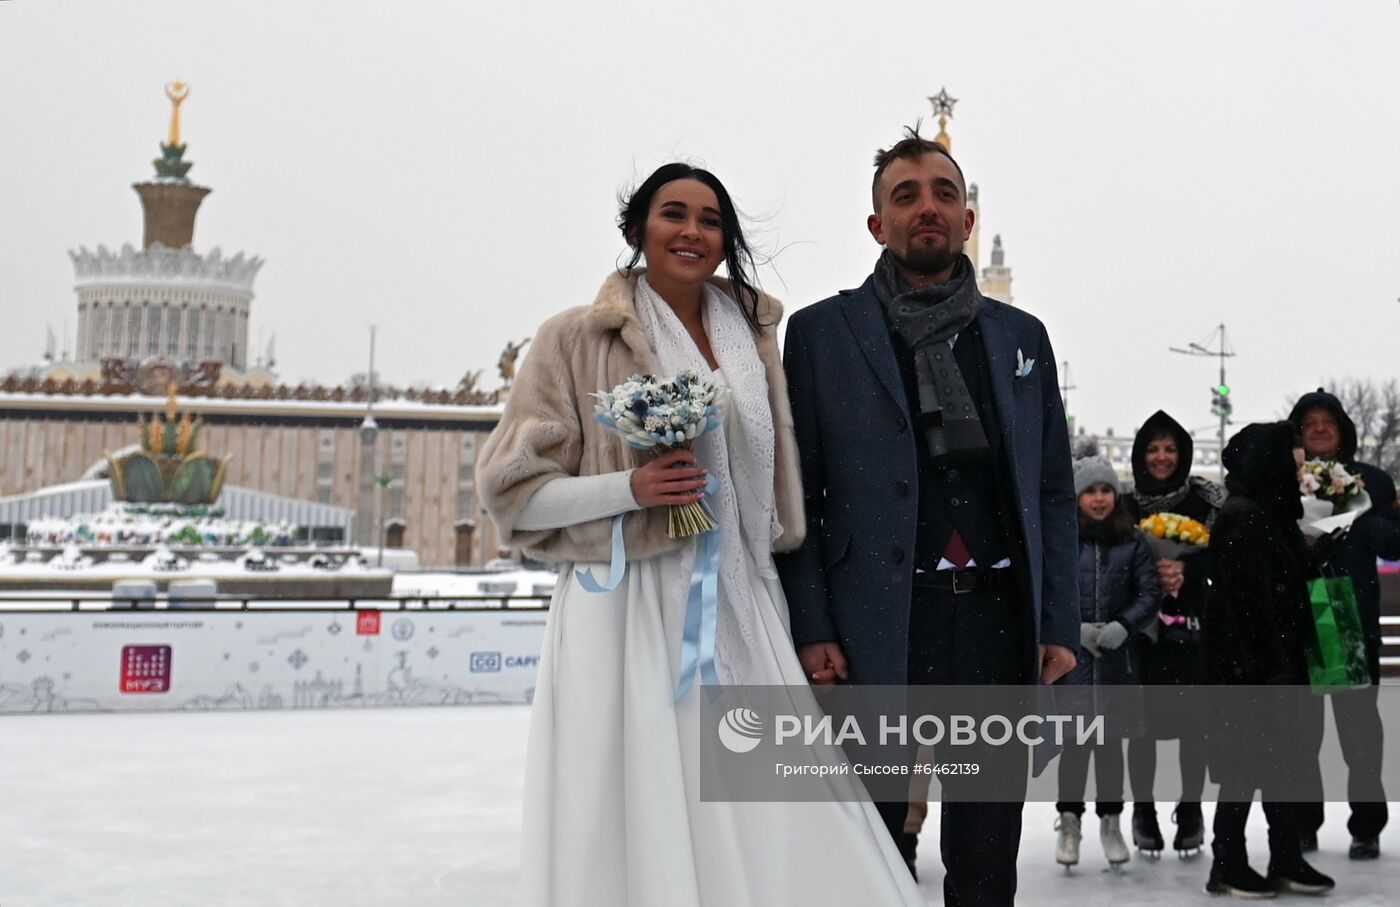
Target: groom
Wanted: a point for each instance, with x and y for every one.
(941, 530)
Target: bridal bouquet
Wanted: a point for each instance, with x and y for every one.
(661, 414)
(1332, 497)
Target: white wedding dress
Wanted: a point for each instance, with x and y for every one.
(613, 814)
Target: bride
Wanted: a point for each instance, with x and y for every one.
(613, 813)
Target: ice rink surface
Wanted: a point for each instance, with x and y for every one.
(387, 807)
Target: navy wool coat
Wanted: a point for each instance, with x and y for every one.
(851, 580)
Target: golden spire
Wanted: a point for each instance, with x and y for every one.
(176, 91)
(943, 109)
(170, 401)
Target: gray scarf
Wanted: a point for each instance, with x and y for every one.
(926, 320)
(1209, 492)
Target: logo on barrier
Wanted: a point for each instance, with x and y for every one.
(367, 623)
(740, 730)
(485, 662)
(402, 629)
(145, 669)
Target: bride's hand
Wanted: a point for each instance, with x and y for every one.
(823, 662)
(672, 478)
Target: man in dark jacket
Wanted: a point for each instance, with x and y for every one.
(941, 520)
(1329, 434)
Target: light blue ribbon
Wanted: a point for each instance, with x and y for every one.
(701, 607)
(701, 615)
(702, 610)
(615, 570)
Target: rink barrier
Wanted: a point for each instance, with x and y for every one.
(72, 654)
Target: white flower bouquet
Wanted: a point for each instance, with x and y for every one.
(1332, 497)
(661, 414)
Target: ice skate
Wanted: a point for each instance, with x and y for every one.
(1067, 842)
(1114, 847)
(1147, 835)
(1190, 830)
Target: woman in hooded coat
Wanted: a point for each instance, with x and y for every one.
(1257, 629)
(1162, 483)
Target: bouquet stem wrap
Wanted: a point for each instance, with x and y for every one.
(685, 520)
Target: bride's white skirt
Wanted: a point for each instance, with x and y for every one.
(612, 805)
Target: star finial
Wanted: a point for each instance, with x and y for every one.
(943, 103)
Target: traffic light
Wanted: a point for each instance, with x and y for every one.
(1220, 404)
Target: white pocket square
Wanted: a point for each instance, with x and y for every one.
(1023, 365)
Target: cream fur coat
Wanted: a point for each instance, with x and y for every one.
(548, 430)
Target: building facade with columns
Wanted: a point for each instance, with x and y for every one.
(163, 303)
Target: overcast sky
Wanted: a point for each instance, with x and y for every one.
(450, 170)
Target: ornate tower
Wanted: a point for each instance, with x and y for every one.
(971, 247)
(165, 301)
(170, 201)
(943, 109)
(996, 277)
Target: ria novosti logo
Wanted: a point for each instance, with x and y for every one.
(740, 730)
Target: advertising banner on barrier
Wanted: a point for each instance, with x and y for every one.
(191, 660)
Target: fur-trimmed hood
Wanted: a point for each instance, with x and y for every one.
(548, 431)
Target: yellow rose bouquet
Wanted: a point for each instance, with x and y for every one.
(1172, 535)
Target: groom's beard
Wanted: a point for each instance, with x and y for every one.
(927, 261)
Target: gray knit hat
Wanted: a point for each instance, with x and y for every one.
(1090, 471)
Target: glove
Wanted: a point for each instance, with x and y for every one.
(1321, 550)
(1089, 638)
(1112, 635)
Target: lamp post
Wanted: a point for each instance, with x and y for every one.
(1065, 387)
(382, 482)
(365, 518)
(1220, 402)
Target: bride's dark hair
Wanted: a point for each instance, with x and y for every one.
(738, 258)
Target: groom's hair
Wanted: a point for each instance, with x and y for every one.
(910, 147)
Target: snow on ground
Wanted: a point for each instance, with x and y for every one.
(377, 808)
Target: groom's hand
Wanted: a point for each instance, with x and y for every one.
(822, 662)
(1055, 662)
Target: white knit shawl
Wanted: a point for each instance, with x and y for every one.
(743, 504)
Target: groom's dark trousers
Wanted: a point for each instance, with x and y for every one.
(978, 637)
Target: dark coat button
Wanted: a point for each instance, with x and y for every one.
(900, 424)
(901, 488)
(956, 502)
(897, 554)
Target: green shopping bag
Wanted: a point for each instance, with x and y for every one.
(1338, 658)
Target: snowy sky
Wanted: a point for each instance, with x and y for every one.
(449, 170)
